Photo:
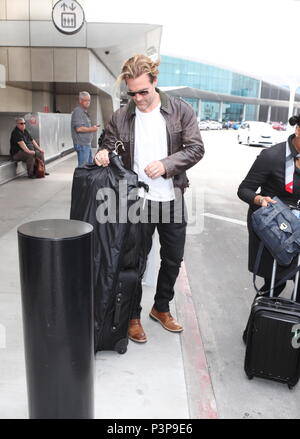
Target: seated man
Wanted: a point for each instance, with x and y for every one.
(23, 148)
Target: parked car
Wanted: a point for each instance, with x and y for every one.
(257, 133)
(203, 125)
(236, 125)
(214, 125)
(279, 126)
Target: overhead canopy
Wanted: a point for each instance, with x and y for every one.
(195, 93)
(36, 55)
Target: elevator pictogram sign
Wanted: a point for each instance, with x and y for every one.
(68, 16)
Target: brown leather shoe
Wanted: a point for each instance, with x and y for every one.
(166, 320)
(136, 332)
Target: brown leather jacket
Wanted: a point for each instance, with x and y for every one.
(185, 145)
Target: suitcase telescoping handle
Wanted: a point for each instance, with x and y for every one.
(273, 278)
(296, 279)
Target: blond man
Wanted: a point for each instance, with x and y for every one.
(161, 140)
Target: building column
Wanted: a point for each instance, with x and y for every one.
(199, 109)
(269, 114)
(244, 112)
(221, 111)
(257, 111)
(293, 88)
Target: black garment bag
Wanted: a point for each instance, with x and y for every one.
(102, 196)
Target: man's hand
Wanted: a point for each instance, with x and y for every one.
(155, 169)
(263, 201)
(31, 152)
(101, 158)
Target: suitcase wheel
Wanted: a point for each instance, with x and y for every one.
(121, 346)
(250, 377)
(290, 386)
(122, 350)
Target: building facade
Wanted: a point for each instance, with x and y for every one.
(178, 73)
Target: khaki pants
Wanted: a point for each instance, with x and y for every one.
(22, 156)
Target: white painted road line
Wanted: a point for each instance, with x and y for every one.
(224, 218)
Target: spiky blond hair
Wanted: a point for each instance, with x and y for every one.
(138, 65)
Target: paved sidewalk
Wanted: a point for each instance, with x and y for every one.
(165, 378)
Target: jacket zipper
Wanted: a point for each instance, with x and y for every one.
(131, 141)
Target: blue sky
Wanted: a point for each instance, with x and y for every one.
(256, 37)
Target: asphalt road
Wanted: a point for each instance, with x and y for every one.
(216, 262)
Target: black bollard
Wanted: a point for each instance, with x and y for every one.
(56, 266)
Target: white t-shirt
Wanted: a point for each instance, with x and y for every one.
(151, 145)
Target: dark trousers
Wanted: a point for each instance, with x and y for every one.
(29, 159)
(170, 220)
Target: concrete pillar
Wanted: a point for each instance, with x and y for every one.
(257, 111)
(199, 109)
(42, 101)
(269, 114)
(293, 88)
(221, 112)
(244, 112)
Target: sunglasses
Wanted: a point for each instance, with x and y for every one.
(22, 123)
(142, 93)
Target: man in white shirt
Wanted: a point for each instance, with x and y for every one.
(161, 140)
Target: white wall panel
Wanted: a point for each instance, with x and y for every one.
(2, 10)
(65, 65)
(100, 76)
(14, 99)
(17, 9)
(19, 64)
(42, 64)
(40, 9)
(83, 67)
(4, 58)
(44, 33)
(14, 33)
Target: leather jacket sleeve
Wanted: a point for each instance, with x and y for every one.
(192, 145)
(110, 137)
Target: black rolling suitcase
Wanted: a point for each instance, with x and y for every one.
(273, 342)
(113, 331)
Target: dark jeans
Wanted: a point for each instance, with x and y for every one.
(170, 221)
(29, 159)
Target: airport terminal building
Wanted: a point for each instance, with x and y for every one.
(49, 53)
(219, 94)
